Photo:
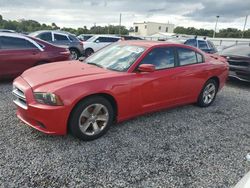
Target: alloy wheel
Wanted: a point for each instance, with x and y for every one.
(209, 93)
(93, 119)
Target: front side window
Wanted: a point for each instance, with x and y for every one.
(113, 39)
(161, 58)
(15, 43)
(45, 36)
(116, 57)
(186, 56)
(59, 37)
(202, 45)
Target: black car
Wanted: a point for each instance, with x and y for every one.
(238, 57)
(203, 44)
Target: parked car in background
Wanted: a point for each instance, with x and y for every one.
(84, 37)
(127, 37)
(121, 81)
(61, 38)
(203, 44)
(19, 52)
(97, 42)
(238, 57)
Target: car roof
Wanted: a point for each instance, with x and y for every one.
(146, 43)
(13, 35)
(111, 36)
(54, 31)
(149, 44)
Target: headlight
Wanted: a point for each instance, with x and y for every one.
(48, 98)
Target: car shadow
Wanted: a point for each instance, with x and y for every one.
(232, 82)
(6, 81)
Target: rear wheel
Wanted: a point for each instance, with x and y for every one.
(74, 54)
(208, 93)
(91, 118)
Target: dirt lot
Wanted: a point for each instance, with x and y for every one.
(183, 147)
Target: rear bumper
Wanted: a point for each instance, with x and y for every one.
(240, 73)
(47, 119)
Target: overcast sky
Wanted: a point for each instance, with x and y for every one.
(77, 13)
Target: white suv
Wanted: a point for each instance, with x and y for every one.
(97, 42)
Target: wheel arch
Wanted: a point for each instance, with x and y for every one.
(215, 78)
(107, 96)
(74, 48)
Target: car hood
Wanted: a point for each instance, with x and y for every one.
(53, 72)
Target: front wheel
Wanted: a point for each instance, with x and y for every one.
(91, 118)
(89, 52)
(208, 93)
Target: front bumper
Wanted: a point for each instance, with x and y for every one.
(47, 119)
(240, 73)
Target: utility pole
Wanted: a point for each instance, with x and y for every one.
(217, 17)
(244, 26)
(120, 22)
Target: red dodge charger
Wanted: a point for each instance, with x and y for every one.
(119, 82)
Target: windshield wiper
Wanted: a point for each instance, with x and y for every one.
(90, 63)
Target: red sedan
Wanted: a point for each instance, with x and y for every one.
(119, 82)
(19, 52)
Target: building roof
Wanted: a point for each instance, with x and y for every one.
(153, 23)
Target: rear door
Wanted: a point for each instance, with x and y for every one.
(192, 73)
(17, 55)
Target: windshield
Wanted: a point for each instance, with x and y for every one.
(116, 57)
(92, 39)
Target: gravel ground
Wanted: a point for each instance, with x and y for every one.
(182, 147)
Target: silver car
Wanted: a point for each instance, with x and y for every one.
(61, 38)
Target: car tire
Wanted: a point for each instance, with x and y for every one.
(89, 52)
(74, 54)
(208, 93)
(91, 118)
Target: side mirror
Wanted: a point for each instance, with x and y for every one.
(97, 41)
(146, 68)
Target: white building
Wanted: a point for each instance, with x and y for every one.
(150, 28)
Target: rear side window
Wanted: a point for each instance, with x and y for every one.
(161, 58)
(101, 39)
(45, 36)
(15, 43)
(73, 38)
(113, 39)
(202, 45)
(191, 42)
(188, 57)
(59, 37)
(107, 39)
